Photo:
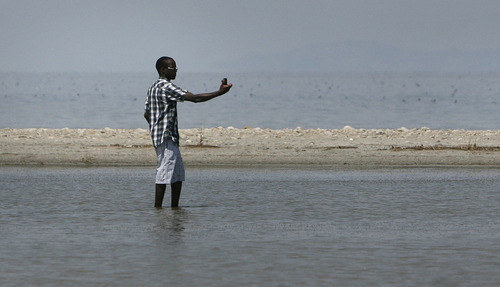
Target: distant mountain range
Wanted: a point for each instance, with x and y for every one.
(358, 56)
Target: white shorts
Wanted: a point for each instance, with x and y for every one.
(170, 167)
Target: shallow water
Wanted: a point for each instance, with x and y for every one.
(249, 226)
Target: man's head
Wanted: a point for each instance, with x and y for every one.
(166, 68)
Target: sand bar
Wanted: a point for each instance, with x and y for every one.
(255, 146)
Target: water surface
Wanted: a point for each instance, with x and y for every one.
(265, 100)
(251, 227)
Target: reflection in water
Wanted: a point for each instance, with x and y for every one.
(170, 224)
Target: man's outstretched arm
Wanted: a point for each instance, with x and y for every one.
(198, 98)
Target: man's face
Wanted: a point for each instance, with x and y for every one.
(171, 70)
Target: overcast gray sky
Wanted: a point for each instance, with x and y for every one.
(120, 35)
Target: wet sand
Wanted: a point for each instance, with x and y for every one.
(255, 146)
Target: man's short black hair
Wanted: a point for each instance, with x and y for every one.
(162, 63)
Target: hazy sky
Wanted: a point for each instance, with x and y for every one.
(120, 35)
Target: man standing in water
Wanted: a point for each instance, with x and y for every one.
(161, 114)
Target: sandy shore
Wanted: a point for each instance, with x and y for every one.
(254, 146)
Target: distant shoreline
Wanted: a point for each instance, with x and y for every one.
(254, 147)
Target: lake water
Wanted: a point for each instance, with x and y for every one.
(273, 226)
(277, 101)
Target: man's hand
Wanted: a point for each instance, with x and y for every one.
(225, 87)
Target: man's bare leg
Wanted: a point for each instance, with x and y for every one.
(176, 193)
(159, 194)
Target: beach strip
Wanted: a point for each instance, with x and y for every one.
(254, 146)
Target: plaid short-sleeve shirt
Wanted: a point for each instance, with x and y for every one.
(161, 106)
